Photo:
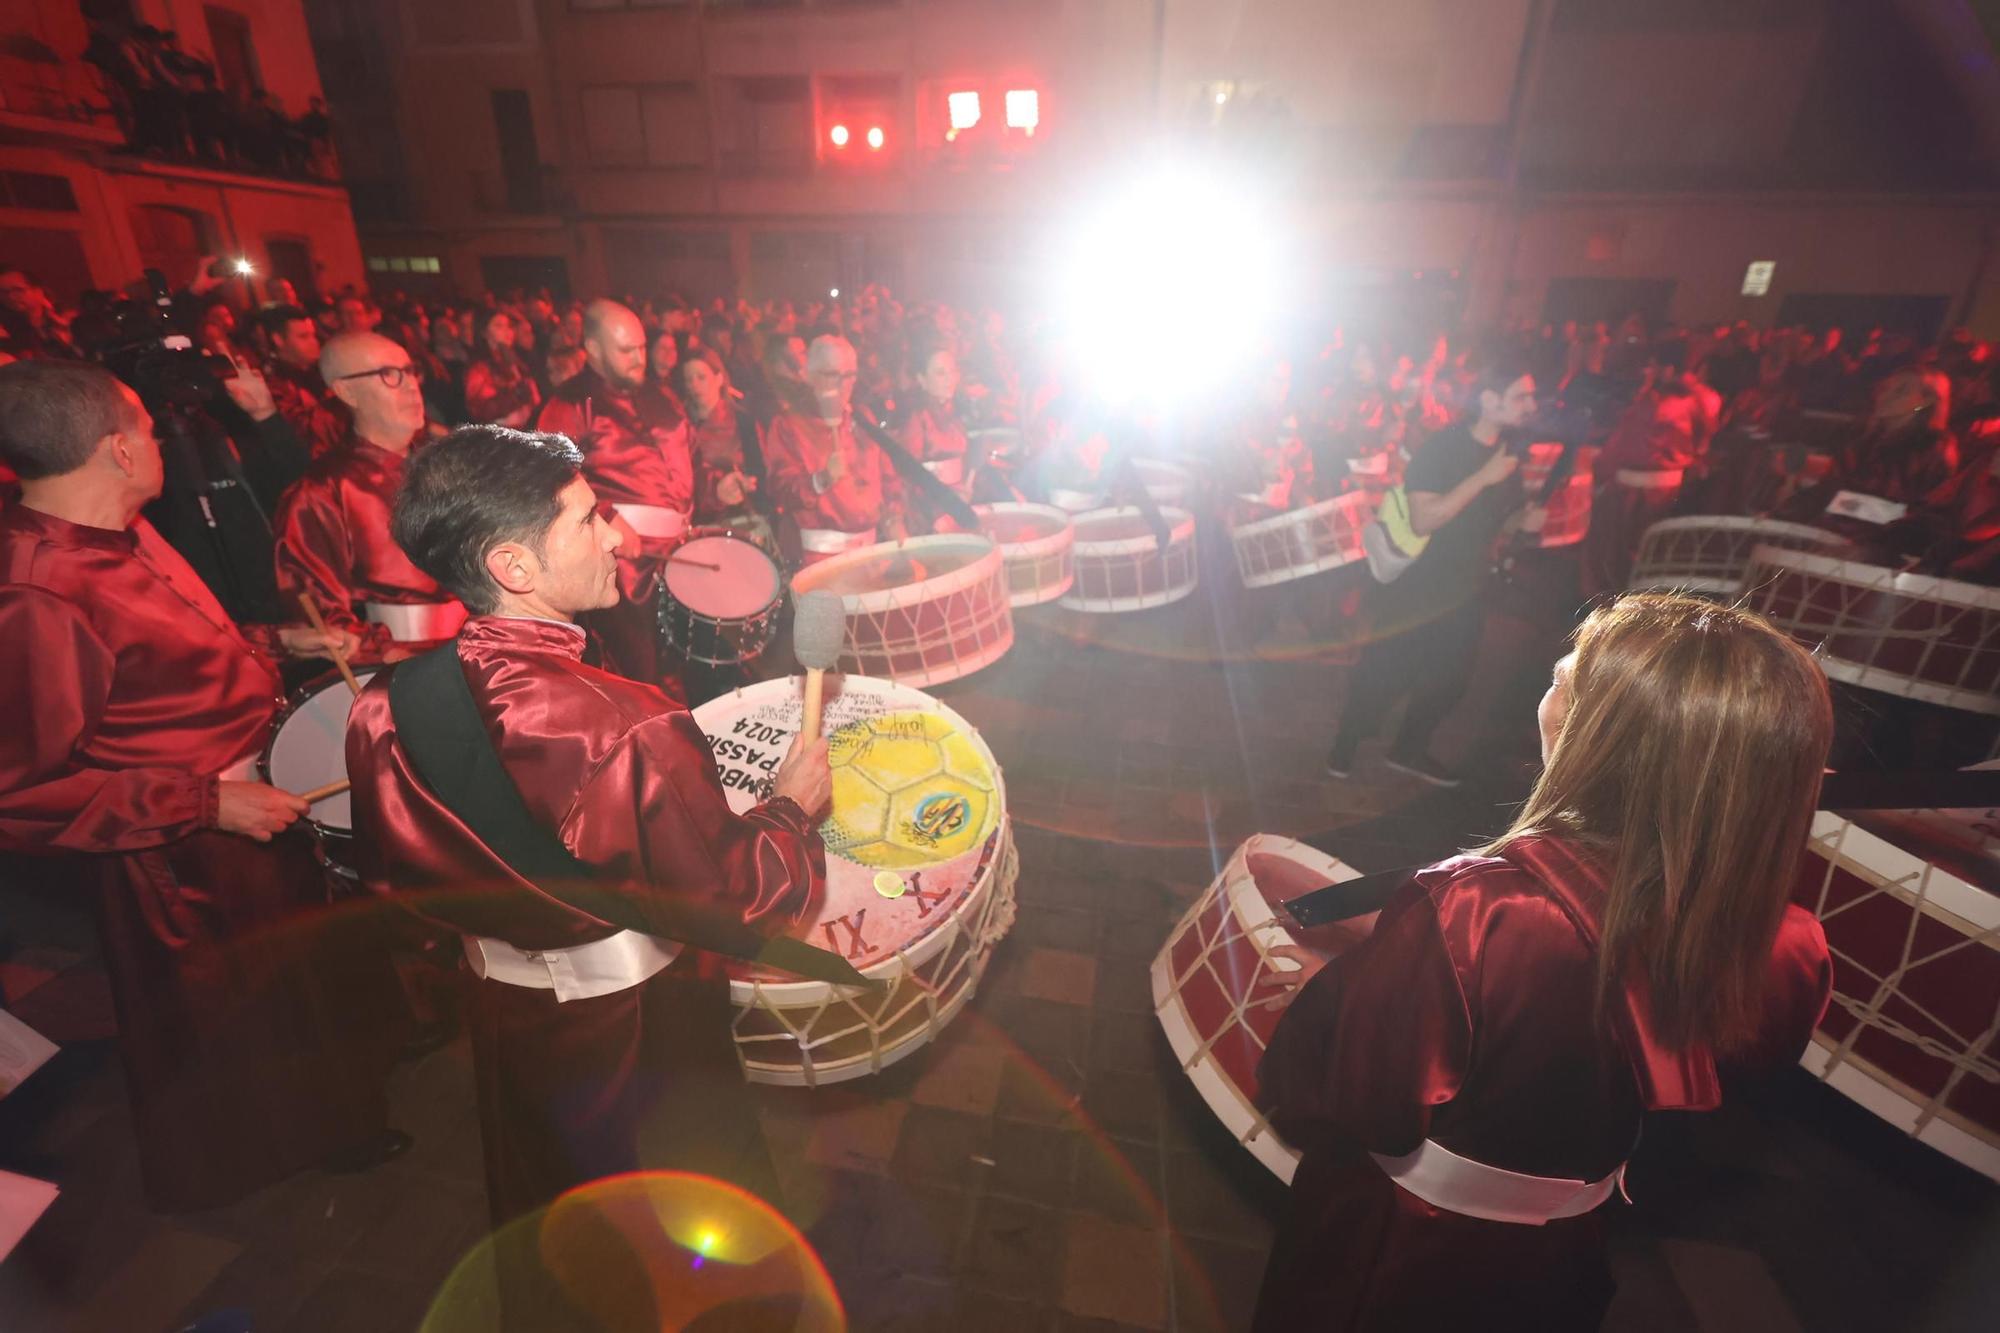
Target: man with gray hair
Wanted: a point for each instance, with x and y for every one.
(636, 456)
(834, 490)
(135, 710)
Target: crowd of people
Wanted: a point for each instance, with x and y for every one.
(534, 463)
(172, 103)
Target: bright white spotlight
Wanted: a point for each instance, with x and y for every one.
(244, 268)
(1024, 109)
(963, 108)
(833, 292)
(1170, 287)
(875, 138)
(839, 136)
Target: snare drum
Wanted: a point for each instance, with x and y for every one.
(307, 751)
(922, 611)
(1281, 547)
(1035, 544)
(920, 874)
(1709, 553)
(719, 597)
(1931, 639)
(1913, 1032)
(1120, 566)
(1211, 980)
(1568, 520)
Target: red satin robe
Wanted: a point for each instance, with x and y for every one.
(126, 689)
(498, 388)
(303, 399)
(332, 540)
(1467, 1018)
(635, 451)
(644, 1077)
(796, 446)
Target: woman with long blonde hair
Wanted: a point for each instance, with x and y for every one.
(1467, 1084)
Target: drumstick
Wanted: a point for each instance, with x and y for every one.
(318, 794)
(690, 560)
(332, 649)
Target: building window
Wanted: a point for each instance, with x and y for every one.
(660, 126)
(404, 264)
(765, 126)
(35, 189)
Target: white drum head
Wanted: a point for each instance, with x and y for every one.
(310, 750)
(744, 582)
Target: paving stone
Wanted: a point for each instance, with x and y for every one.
(1114, 1272)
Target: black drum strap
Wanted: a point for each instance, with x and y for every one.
(439, 727)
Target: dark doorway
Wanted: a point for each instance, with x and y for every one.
(529, 273)
(291, 259)
(235, 54)
(520, 160)
(1919, 316)
(1587, 300)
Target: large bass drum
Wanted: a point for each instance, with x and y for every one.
(920, 874)
(307, 751)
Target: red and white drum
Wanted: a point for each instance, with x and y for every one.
(1710, 552)
(1120, 566)
(1036, 543)
(1168, 483)
(1568, 520)
(1913, 1032)
(719, 597)
(1214, 981)
(920, 874)
(921, 611)
(1277, 548)
(307, 751)
(1936, 640)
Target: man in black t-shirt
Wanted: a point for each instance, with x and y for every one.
(1425, 626)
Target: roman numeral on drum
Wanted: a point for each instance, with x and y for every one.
(856, 946)
(925, 901)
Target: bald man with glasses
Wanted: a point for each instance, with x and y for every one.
(333, 525)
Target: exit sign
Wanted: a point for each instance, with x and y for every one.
(1757, 278)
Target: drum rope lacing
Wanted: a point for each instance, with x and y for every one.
(1867, 1013)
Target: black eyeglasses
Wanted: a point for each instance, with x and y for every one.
(392, 377)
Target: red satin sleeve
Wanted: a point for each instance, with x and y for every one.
(313, 552)
(49, 800)
(788, 470)
(1375, 1041)
(653, 813)
(1796, 992)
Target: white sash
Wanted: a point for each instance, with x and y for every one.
(1650, 479)
(580, 972)
(416, 622)
(949, 470)
(656, 521)
(1457, 1184)
(832, 541)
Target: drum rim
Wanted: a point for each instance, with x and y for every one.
(797, 993)
(1775, 527)
(1180, 527)
(1950, 900)
(294, 700)
(1294, 517)
(777, 577)
(987, 566)
(1035, 547)
(1195, 1052)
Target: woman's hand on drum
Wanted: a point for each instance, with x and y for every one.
(735, 488)
(1309, 964)
(305, 641)
(255, 810)
(806, 777)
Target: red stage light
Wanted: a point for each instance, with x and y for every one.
(875, 138)
(963, 109)
(839, 136)
(1024, 109)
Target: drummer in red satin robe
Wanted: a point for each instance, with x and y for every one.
(585, 1037)
(929, 429)
(1467, 1084)
(725, 471)
(636, 458)
(498, 387)
(134, 713)
(291, 369)
(332, 525)
(834, 490)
